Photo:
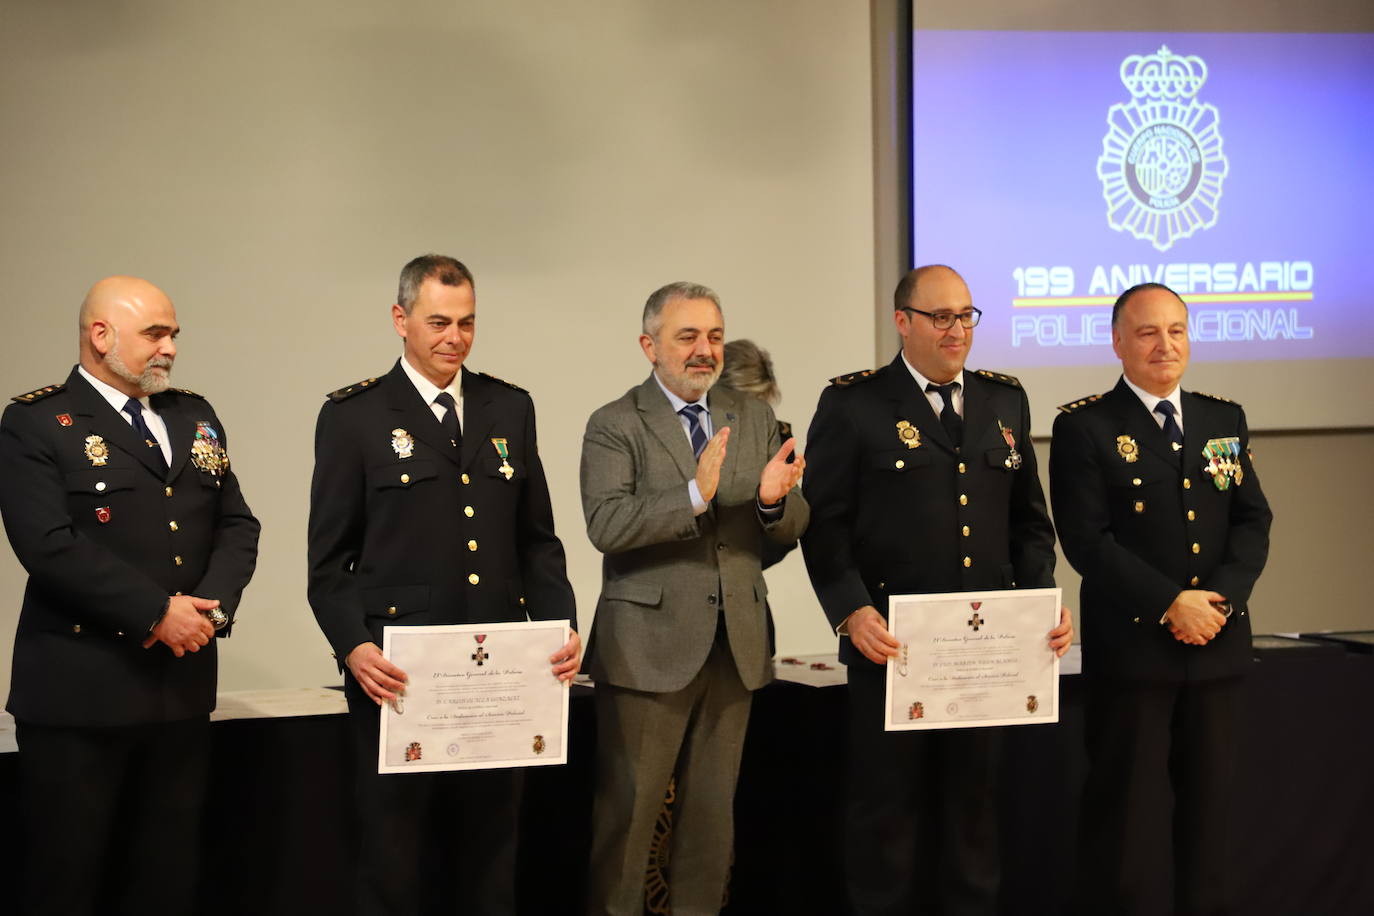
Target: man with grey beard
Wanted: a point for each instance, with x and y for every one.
(119, 502)
(682, 484)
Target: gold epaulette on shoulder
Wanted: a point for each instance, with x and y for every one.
(188, 392)
(1011, 380)
(1080, 403)
(853, 377)
(1213, 397)
(30, 397)
(348, 391)
(501, 381)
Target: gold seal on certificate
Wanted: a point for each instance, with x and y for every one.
(971, 659)
(480, 696)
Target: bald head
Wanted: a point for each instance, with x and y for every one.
(906, 289)
(128, 331)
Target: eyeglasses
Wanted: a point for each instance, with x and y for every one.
(943, 321)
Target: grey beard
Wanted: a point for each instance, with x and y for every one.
(148, 381)
(695, 387)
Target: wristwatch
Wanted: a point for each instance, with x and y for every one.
(218, 618)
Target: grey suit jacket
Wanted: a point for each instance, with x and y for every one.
(665, 571)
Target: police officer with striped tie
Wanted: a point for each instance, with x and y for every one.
(120, 502)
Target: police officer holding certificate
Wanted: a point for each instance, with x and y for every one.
(429, 506)
(922, 479)
(1160, 509)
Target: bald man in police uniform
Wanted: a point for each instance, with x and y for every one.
(1159, 508)
(922, 479)
(429, 506)
(120, 503)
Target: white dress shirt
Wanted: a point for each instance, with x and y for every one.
(429, 391)
(1150, 401)
(934, 397)
(118, 399)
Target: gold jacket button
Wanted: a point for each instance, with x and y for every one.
(467, 479)
(177, 559)
(1197, 548)
(899, 464)
(391, 611)
(472, 545)
(1135, 620)
(468, 511)
(966, 531)
(963, 468)
(76, 628)
(968, 561)
(474, 578)
(963, 499)
(172, 524)
(522, 600)
(100, 486)
(1135, 481)
(1194, 581)
(168, 491)
(1191, 515)
(405, 478)
(1187, 483)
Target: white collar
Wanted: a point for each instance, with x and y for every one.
(922, 381)
(427, 389)
(110, 393)
(1152, 400)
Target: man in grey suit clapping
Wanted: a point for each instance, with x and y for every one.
(681, 486)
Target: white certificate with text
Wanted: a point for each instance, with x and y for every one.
(479, 696)
(970, 659)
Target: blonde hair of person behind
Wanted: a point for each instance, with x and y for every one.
(749, 369)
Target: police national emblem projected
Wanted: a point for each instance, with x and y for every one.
(1162, 163)
(1276, 269)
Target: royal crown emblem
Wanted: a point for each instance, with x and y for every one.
(1161, 164)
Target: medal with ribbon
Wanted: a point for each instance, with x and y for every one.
(1221, 461)
(1014, 459)
(206, 452)
(506, 470)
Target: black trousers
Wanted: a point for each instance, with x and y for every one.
(920, 813)
(431, 842)
(1158, 798)
(112, 817)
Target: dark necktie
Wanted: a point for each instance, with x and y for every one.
(450, 419)
(135, 411)
(949, 418)
(1171, 430)
(695, 430)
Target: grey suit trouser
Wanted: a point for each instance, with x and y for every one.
(642, 740)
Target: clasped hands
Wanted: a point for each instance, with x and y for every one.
(776, 479)
(1194, 618)
(184, 628)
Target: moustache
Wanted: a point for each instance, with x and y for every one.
(160, 362)
(704, 361)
